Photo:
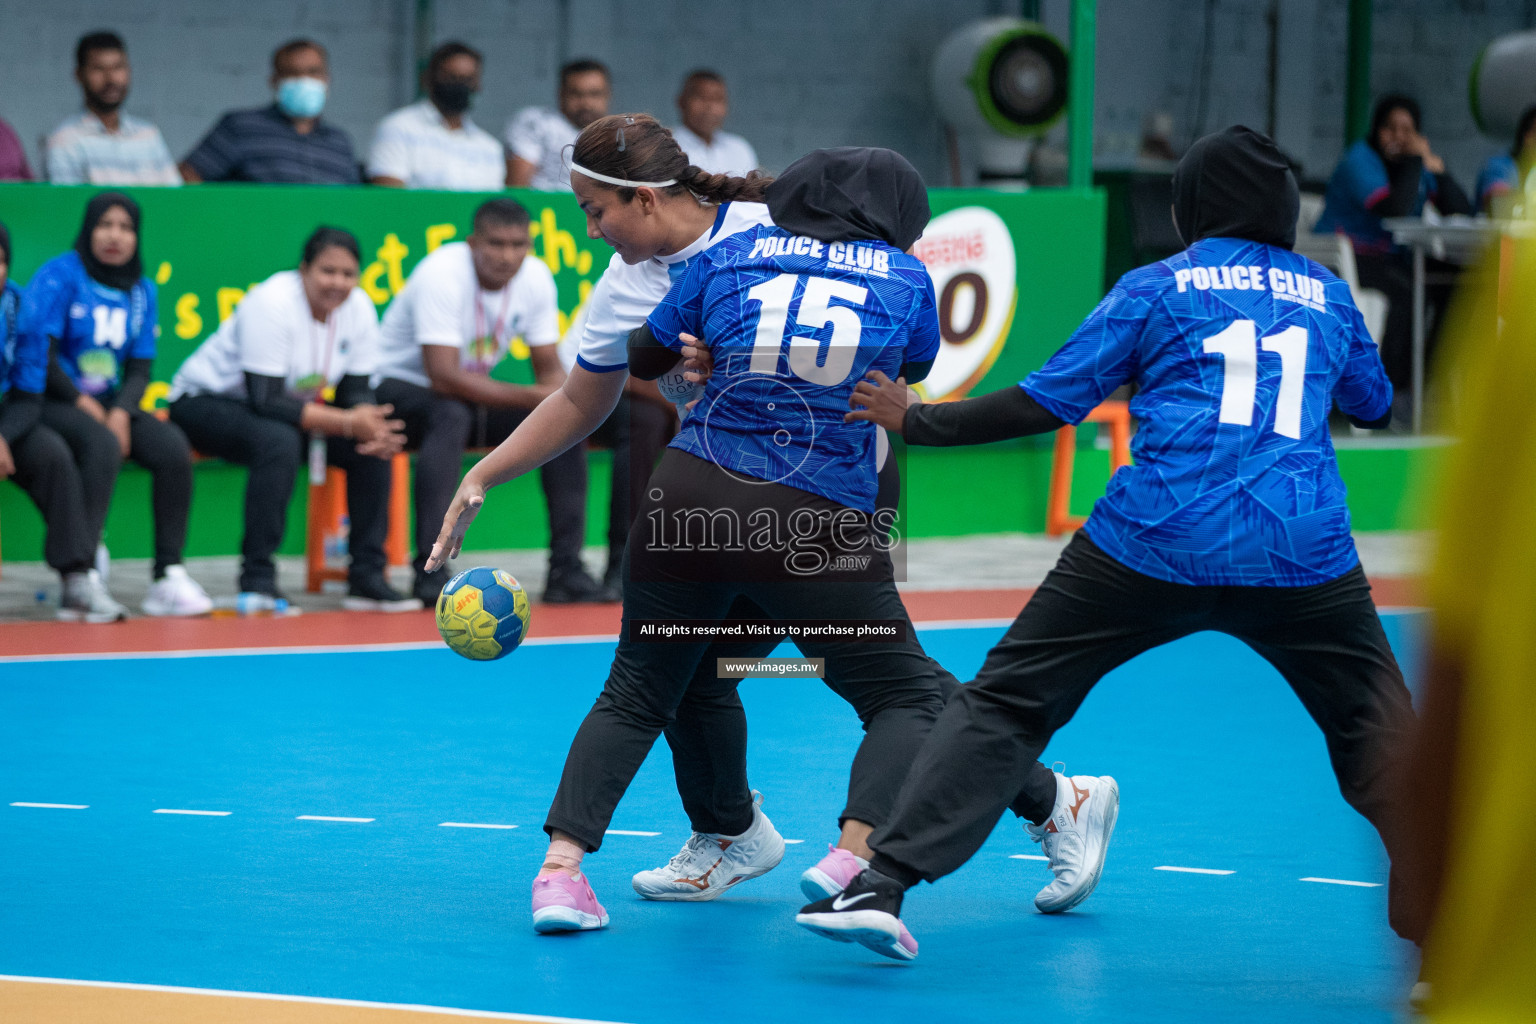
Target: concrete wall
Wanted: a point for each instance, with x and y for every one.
(804, 73)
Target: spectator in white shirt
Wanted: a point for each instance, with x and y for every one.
(538, 137)
(457, 318)
(101, 145)
(704, 106)
(432, 143)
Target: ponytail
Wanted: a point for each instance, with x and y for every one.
(637, 147)
(722, 188)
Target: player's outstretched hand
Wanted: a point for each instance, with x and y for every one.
(881, 400)
(466, 505)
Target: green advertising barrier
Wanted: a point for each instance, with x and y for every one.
(1014, 274)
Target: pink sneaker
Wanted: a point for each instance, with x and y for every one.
(832, 874)
(565, 904)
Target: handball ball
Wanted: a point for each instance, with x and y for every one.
(483, 614)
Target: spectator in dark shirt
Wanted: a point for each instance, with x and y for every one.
(285, 142)
(1393, 172)
(13, 157)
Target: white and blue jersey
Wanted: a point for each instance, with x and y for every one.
(1240, 351)
(23, 364)
(793, 324)
(626, 293)
(98, 328)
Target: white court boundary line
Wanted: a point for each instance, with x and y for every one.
(51, 807)
(429, 645)
(1342, 881)
(1194, 871)
(208, 814)
(331, 817)
(471, 824)
(449, 1011)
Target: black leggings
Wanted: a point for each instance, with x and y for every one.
(442, 428)
(46, 471)
(154, 444)
(895, 688)
(1092, 614)
(273, 451)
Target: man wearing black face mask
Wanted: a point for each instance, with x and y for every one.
(433, 143)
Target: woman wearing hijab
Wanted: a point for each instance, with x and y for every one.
(95, 311)
(39, 461)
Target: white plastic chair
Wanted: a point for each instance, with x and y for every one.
(1373, 304)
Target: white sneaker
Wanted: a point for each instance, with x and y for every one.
(709, 864)
(1076, 838)
(84, 598)
(176, 593)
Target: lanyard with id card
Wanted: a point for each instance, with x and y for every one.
(317, 383)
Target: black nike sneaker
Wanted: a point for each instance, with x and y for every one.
(867, 912)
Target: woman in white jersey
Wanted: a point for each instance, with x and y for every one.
(657, 226)
(292, 363)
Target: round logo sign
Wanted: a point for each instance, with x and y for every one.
(969, 255)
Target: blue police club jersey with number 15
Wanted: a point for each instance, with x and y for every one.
(793, 324)
(98, 328)
(1240, 351)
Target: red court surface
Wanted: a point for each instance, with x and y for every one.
(342, 629)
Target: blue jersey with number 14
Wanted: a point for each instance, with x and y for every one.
(1240, 351)
(793, 324)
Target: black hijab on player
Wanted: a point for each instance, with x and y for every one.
(122, 277)
(1236, 184)
(851, 193)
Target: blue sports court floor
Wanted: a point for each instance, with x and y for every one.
(1219, 768)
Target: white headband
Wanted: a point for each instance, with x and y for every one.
(621, 182)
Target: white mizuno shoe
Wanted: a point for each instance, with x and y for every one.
(1076, 838)
(709, 864)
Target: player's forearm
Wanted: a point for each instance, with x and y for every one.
(998, 416)
(564, 419)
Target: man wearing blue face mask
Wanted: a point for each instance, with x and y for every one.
(285, 142)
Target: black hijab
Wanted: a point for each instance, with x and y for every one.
(1236, 184)
(127, 275)
(851, 193)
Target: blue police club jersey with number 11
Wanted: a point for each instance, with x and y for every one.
(1240, 351)
(98, 328)
(793, 324)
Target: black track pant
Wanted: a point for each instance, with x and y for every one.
(154, 444)
(273, 451)
(895, 688)
(440, 429)
(46, 471)
(1093, 614)
(637, 432)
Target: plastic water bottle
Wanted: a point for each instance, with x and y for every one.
(249, 603)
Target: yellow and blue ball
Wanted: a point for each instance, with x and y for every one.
(483, 613)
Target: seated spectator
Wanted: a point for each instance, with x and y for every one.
(433, 143)
(442, 336)
(537, 137)
(41, 464)
(704, 105)
(1501, 174)
(101, 145)
(1392, 172)
(13, 155)
(95, 310)
(292, 363)
(283, 143)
